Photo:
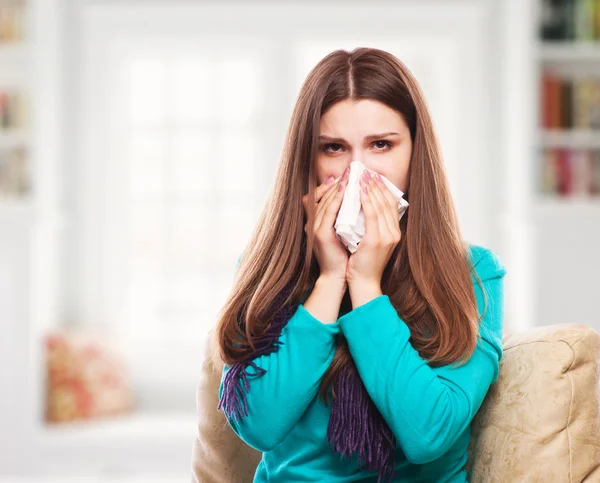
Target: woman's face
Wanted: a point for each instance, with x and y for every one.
(366, 131)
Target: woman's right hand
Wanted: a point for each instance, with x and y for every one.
(331, 254)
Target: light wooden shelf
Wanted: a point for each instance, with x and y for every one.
(569, 51)
(13, 52)
(570, 205)
(15, 209)
(569, 138)
(11, 138)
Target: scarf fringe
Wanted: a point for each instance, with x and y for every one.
(235, 383)
(356, 426)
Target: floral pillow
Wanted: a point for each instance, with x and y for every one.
(86, 378)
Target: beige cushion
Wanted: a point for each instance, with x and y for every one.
(538, 423)
(219, 455)
(540, 420)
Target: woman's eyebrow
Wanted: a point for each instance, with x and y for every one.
(370, 137)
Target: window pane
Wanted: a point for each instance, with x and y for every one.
(190, 303)
(146, 295)
(236, 221)
(146, 238)
(191, 89)
(147, 91)
(190, 162)
(190, 238)
(239, 172)
(239, 89)
(146, 165)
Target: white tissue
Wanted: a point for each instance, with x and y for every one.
(350, 223)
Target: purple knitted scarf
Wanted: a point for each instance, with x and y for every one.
(355, 424)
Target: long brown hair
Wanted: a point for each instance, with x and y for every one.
(428, 278)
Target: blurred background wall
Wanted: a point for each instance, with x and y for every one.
(138, 140)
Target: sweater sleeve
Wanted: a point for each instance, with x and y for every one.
(277, 399)
(426, 408)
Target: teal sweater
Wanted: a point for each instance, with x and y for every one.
(429, 410)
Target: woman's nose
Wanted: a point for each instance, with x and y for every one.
(363, 160)
(347, 166)
(358, 157)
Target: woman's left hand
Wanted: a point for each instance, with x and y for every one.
(382, 233)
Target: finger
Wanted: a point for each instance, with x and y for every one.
(322, 189)
(324, 204)
(371, 222)
(384, 208)
(385, 235)
(319, 192)
(333, 206)
(393, 202)
(388, 195)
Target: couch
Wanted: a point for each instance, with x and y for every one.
(540, 422)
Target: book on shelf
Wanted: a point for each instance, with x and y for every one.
(12, 109)
(570, 20)
(12, 22)
(570, 172)
(14, 175)
(569, 103)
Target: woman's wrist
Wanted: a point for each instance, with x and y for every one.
(362, 293)
(332, 284)
(325, 300)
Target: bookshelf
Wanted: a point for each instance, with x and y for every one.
(15, 176)
(567, 172)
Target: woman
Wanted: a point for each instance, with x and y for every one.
(370, 366)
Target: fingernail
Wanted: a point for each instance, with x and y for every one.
(346, 173)
(366, 175)
(341, 187)
(329, 180)
(365, 191)
(377, 177)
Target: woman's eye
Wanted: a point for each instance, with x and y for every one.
(331, 145)
(385, 144)
(381, 145)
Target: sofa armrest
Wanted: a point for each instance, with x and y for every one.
(219, 455)
(541, 420)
